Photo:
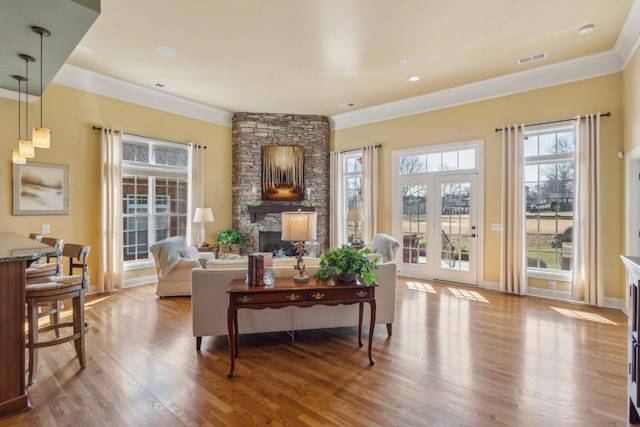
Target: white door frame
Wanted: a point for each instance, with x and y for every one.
(396, 198)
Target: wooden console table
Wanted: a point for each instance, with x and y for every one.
(285, 292)
(15, 252)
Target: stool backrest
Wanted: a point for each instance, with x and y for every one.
(35, 236)
(58, 244)
(77, 255)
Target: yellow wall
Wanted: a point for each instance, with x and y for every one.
(71, 114)
(478, 121)
(631, 102)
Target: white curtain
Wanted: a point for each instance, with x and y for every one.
(336, 201)
(110, 274)
(588, 283)
(196, 199)
(370, 192)
(512, 256)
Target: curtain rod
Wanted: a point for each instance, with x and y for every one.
(358, 149)
(607, 114)
(99, 128)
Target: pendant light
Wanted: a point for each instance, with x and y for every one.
(41, 135)
(25, 145)
(15, 153)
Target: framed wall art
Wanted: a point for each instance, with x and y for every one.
(40, 189)
(282, 172)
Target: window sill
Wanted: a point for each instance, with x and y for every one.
(549, 275)
(138, 265)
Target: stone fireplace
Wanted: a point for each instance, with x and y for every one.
(250, 132)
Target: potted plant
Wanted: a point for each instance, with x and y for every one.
(347, 265)
(229, 241)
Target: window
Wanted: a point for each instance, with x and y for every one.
(155, 193)
(352, 168)
(441, 161)
(549, 178)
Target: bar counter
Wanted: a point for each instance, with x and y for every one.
(15, 251)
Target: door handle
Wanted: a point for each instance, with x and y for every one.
(473, 234)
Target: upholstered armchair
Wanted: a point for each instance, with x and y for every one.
(174, 261)
(386, 246)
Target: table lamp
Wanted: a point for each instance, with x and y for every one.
(203, 216)
(298, 227)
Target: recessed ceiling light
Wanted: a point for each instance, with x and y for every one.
(414, 78)
(399, 63)
(585, 29)
(347, 105)
(166, 51)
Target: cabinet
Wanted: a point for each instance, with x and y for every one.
(632, 265)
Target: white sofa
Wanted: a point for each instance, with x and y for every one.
(210, 300)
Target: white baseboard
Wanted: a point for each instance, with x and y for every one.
(145, 280)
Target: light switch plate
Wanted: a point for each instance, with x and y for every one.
(46, 229)
(496, 226)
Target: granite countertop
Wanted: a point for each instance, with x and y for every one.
(16, 247)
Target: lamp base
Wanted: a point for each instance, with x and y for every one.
(302, 278)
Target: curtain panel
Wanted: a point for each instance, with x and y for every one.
(512, 255)
(110, 270)
(196, 185)
(588, 282)
(370, 192)
(336, 200)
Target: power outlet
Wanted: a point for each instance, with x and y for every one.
(552, 284)
(46, 229)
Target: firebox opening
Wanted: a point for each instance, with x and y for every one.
(270, 241)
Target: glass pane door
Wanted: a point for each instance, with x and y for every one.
(414, 226)
(456, 229)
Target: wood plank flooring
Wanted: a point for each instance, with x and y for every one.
(459, 357)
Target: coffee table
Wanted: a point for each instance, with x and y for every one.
(285, 292)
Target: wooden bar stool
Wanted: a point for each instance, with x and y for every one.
(52, 290)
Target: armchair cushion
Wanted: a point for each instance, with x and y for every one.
(168, 253)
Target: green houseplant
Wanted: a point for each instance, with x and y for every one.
(229, 240)
(346, 264)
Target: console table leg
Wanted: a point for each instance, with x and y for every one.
(372, 325)
(232, 340)
(360, 313)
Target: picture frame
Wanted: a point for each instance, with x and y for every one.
(282, 172)
(40, 189)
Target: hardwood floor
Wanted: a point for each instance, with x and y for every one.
(459, 357)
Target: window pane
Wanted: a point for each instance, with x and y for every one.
(135, 152)
(412, 164)
(450, 161)
(548, 144)
(467, 159)
(414, 224)
(353, 163)
(531, 146)
(434, 162)
(549, 192)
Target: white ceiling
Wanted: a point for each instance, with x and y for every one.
(311, 56)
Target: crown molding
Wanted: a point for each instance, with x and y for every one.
(89, 81)
(629, 38)
(13, 95)
(586, 67)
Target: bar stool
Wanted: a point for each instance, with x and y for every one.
(51, 290)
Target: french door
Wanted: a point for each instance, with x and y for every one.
(437, 222)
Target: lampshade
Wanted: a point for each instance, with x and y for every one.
(26, 149)
(355, 214)
(16, 157)
(41, 136)
(203, 215)
(299, 226)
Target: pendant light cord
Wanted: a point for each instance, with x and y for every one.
(41, 62)
(19, 109)
(26, 99)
